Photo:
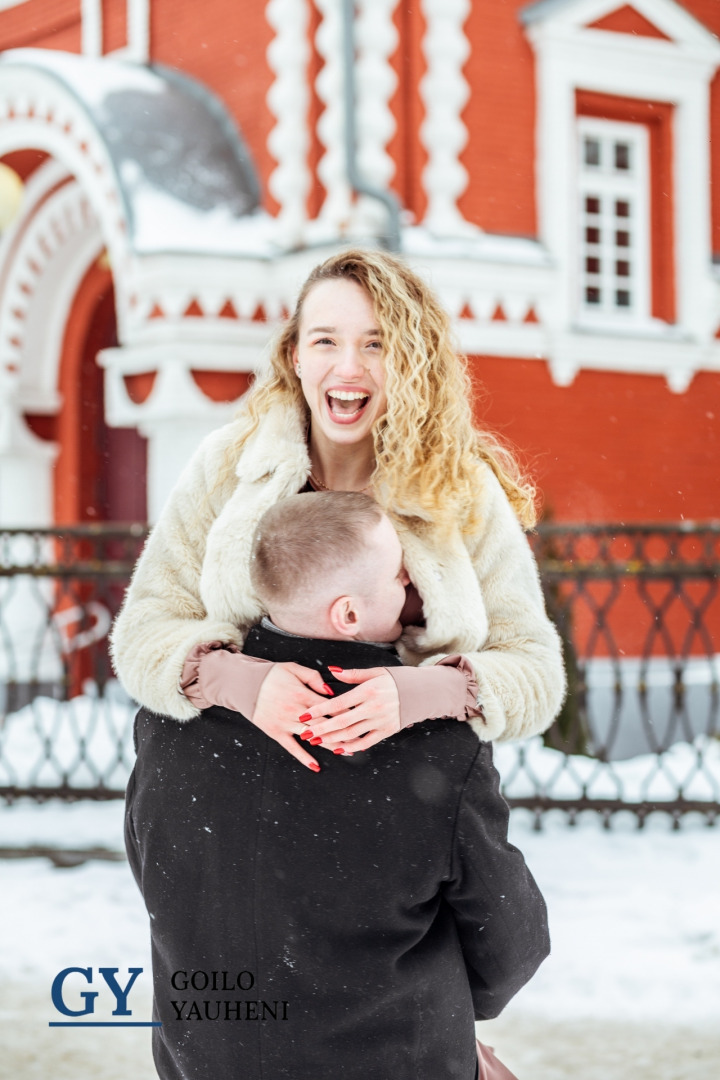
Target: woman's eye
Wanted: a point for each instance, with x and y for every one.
(324, 341)
(375, 344)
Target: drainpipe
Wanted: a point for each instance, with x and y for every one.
(391, 238)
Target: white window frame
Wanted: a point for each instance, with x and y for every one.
(609, 187)
(571, 57)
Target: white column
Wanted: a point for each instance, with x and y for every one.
(288, 101)
(170, 447)
(376, 40)
(336, 210)
(445, 92)
(26, 465)
(556, 167)
(174, 419)
(138, 30)
(91, 33)
(696, 291)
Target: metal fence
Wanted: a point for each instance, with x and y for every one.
(638, 608)
(65, 723)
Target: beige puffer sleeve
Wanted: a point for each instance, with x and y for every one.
(520, 671)
(162, 617)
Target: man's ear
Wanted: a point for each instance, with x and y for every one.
(344, 617)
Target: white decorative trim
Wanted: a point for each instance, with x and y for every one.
(42, 262)
(287, 99)
(91, 27)
(335, 213)
(175, 394)
(445, 92)
(37, 111)
(671, 18)
(664, 354)
(569, 57)
(376, 39)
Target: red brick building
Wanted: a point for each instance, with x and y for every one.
(557, 168)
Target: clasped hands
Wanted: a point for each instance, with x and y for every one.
(365, 715)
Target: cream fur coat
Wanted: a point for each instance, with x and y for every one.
(481, 594)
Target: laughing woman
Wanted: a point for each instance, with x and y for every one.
(365, 393)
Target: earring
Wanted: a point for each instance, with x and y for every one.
(297, 371)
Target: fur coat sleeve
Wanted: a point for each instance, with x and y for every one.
(482, 598)
(163, 615)
(481, 595)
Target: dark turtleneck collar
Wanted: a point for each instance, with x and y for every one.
(269, 643)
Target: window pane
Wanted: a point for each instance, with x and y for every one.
(592, 152)
(622, 298)
(622, 208)
(592, 236)
(622, 239)
(592, 265)
(592, 295)
(622, 155)
(622, 268)
(592, 205)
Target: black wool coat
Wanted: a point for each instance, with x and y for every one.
(345, 925)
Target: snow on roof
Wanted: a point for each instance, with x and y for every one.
(184, 174)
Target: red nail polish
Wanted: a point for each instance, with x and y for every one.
(334, 669)
(327, 690)
(304, 718)
(307, 735)
(315, 741)
(314, 766)
(338, 750)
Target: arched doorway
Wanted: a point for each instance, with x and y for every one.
(100, 472)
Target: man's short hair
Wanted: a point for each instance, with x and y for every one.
(306, 536)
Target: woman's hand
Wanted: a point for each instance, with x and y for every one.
(287, 691)
(364, 716)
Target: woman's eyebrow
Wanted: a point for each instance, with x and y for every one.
(333, 330)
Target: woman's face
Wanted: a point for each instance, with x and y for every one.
(340, 359)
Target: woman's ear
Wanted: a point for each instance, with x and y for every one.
(344, 617)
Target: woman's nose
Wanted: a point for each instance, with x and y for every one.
(350, 362)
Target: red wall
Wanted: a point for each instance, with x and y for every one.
(609, 447)
(114, 24)
(500, 118)
(42, 24)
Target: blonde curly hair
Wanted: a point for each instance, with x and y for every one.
(428, 453)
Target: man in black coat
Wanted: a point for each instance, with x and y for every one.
(348, 924)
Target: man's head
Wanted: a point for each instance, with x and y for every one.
(329, 564)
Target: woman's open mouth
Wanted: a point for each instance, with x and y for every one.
(346, 406)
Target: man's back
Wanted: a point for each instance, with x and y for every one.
(370, 911)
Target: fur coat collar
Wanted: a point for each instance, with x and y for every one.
(274, 464)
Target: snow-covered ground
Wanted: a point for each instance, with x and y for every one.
(630, 992)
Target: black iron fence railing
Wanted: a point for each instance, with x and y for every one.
(638, 608)
(65, 723)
